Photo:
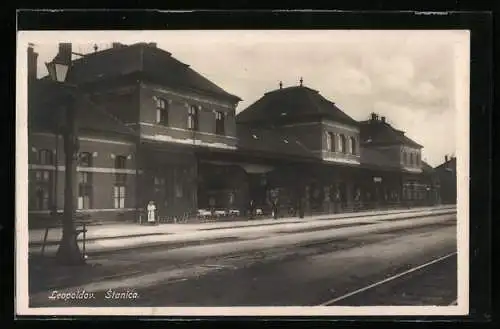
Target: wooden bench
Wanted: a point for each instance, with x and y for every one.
(81, 222)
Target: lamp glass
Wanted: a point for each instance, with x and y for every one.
(61, 72)
(57, 71)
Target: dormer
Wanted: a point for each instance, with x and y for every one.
(340, 142)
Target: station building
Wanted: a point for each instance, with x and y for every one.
(152, 128)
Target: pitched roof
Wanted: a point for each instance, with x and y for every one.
(292, 103)
(382, 133)
(154, 63)
(373, 158)
(451, 163)
(43, 111)
(427, 168)
(270, 142)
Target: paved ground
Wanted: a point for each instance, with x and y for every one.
(133, 229)
(282, 268)
(115, 237)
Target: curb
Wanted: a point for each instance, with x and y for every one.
(207, 241)
(54, 242)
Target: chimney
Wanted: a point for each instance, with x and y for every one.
(152, 44)
(117, 45)
(374, 116)
(281, 84)
(383, 119)
(32, 63)
(446, 158)
(65, 52)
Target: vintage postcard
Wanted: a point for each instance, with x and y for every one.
(193, 173)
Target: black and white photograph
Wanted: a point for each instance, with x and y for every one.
(242, 172)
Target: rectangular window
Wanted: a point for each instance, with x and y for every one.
(45, 157)
(161, 111)
(85, 160)
(84, 190)
(193, 118)
(119, 187)
(159, 184)
(219, 123)
(119, 196)
(42, 198)
(42, 190)
(120, 162)
(43, 176)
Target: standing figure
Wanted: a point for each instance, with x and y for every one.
(338, 200)
(275, 208)
(211, 204)
(357, 199)
(301, 207)
(251, 208)
(151, 212)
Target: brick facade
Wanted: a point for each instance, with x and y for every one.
(178, 105)
(100, 175)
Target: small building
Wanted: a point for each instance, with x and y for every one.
(446, 174)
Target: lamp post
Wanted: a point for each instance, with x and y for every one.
(378, 183)
(69, 251)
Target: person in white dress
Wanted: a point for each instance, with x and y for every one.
(151, 212)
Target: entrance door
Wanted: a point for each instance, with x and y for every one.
(160, 195)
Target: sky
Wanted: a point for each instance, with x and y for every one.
(407, 76)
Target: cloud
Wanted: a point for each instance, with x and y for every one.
(351, 81)
(392, 72)
(435, 131)
(426, 92)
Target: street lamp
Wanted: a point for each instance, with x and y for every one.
(58, 70)
(69, 251)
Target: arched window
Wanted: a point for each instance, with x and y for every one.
(412, 159)
(161, 111)
(45, 157)
(343, 143)
(330, 141)
(193, 118)
(418, 159)
(353, 145)
(219, 123)
(405, 158)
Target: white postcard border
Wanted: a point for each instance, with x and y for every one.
(462, 72)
